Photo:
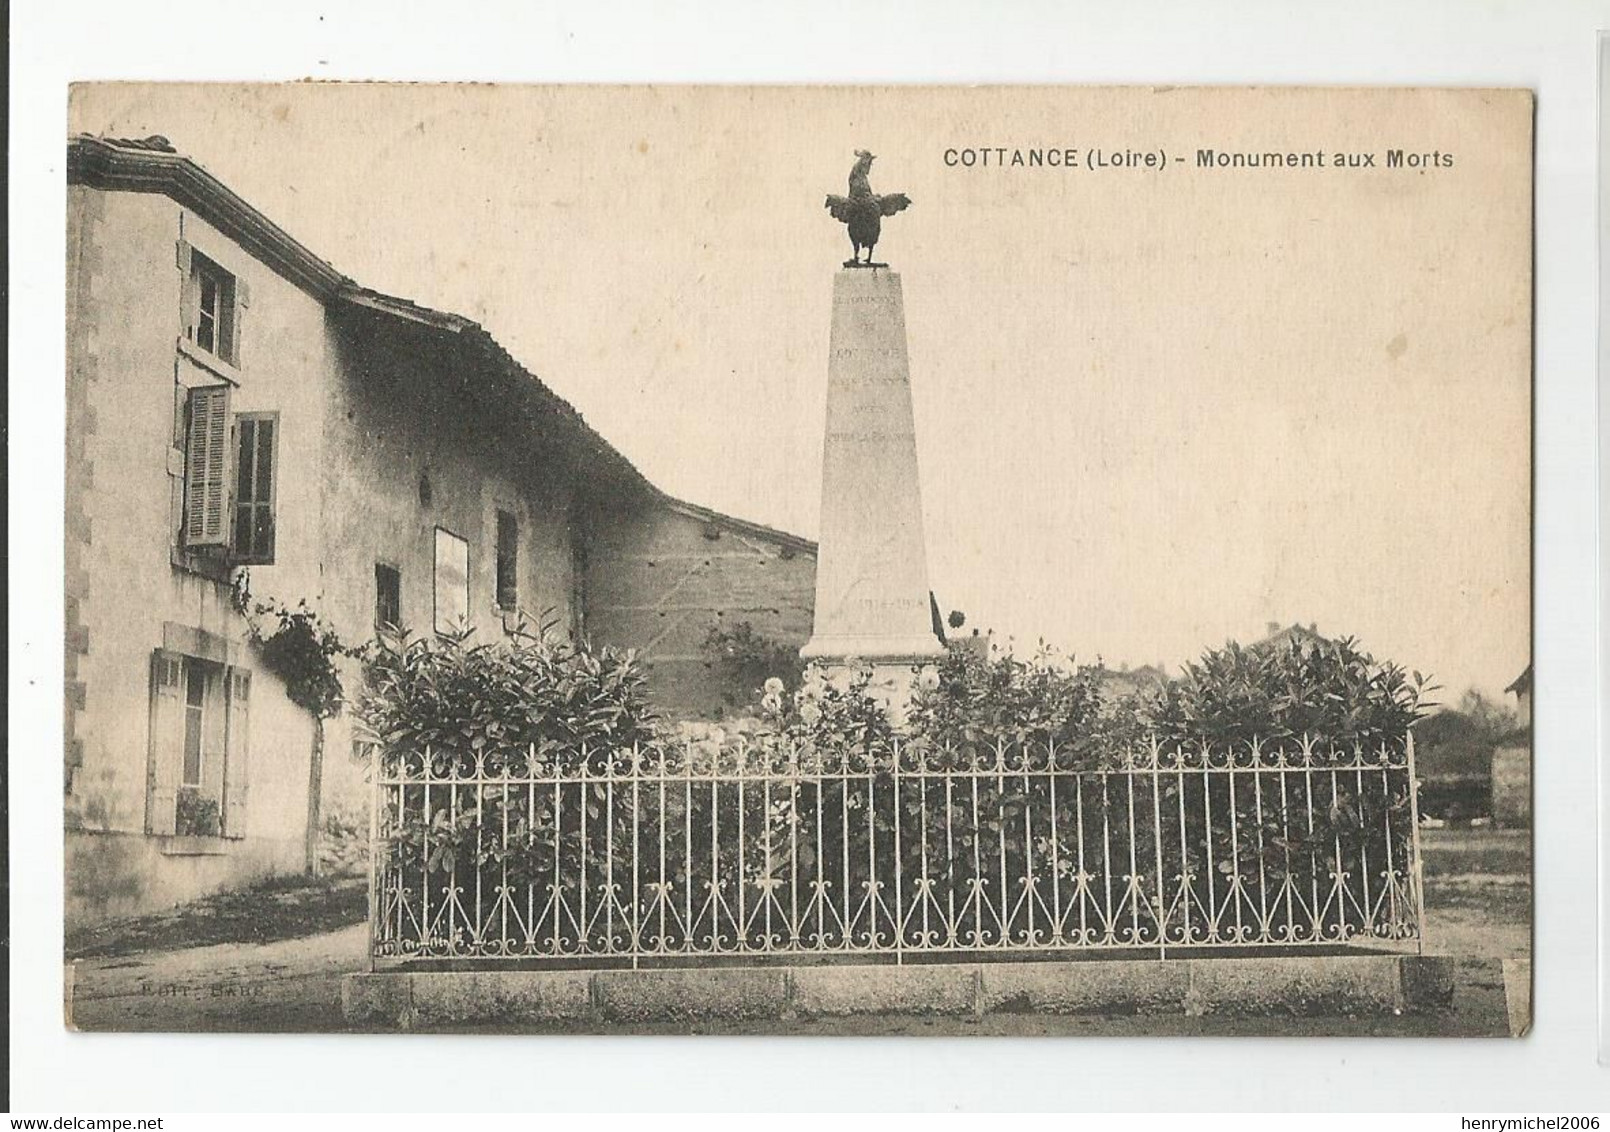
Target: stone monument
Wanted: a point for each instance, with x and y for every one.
(872, 598)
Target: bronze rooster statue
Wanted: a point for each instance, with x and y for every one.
(863, 210)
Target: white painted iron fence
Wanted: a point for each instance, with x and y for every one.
(658, 854)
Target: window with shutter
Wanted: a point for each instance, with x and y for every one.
(206, 504)
(237, 750)
(167, 742)
(211, 305)
(255, 475)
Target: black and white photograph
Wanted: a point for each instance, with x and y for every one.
(822, 560)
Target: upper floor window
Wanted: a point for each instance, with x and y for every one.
(206, 468)
(254, 487)
(212, 315)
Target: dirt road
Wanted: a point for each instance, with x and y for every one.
(287, 985)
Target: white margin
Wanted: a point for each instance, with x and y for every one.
(1549, 46)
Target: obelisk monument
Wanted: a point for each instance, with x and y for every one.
(872, 601)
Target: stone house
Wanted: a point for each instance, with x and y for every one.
(240, 412)
(1512, 761)
(1117, 683)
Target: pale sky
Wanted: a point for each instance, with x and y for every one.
(1154, 409)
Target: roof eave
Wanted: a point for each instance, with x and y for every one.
(742, 526)
(101, 165)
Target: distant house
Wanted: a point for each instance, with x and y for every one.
(1119, 682)
(1290, 636)
(1512, 761)
(236, 408)
(979, 644)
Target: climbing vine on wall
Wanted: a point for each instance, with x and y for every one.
(299, 647)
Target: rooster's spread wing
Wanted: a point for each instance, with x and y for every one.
(842, 208)
(893, 203)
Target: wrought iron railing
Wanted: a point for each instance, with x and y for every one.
(659, 854)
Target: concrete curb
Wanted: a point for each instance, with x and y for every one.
(1318, 986)
(1119, 986)
(689, 993)
(1308, 987)
(948, 989)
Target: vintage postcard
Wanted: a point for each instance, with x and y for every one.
(1002, 560)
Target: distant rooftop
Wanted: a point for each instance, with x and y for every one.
(1523, 683)
(1291, 635)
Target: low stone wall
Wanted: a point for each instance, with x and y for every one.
(1328, 986)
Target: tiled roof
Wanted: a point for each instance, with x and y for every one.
(529, 399)
(156, 143)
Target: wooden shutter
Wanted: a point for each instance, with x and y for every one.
(187, 296)
(207, 453)
(237, 749)
(166, 742)
(237, 317)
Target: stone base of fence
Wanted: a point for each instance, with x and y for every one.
(1330, 986)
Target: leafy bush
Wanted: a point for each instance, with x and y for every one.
(531, 692)
(1454, 757)
(1329, 690)
(1454, 799)
(1493, 721)
(1451, 744)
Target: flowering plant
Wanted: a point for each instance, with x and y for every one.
(839, 716)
